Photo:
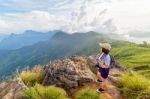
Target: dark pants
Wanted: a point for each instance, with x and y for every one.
(104, 72)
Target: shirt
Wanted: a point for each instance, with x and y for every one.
(105, 59)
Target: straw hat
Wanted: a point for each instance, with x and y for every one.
(105, 45)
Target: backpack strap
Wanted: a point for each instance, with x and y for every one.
(100, 56)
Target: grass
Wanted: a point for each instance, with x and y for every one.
(30, 78)
(132, 56)
(134, 86)
(45, 92)
(87, 93)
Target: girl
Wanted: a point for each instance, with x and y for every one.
(103, 63)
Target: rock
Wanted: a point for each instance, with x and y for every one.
(69, 73)
(12, 89)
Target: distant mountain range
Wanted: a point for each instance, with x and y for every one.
(29, 37)
(60, 45)
(3, 36)
(140, 34)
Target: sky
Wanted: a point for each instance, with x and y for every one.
(104, 16)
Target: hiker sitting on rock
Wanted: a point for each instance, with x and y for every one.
(103, 65)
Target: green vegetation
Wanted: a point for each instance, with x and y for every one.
(144, 72)
(30, 78)
(134, 86)
(132, 56)
(42, 92)
(87, 93)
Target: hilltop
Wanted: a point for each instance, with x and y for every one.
(74, 78)
(72, 74)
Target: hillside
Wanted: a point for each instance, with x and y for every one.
(29, 37)
(134, 57)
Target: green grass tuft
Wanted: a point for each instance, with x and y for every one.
(45, 92)
(134, 86)
(87, 93)
(30, 78)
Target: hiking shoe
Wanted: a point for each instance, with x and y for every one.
(100, 90)
(98, 81)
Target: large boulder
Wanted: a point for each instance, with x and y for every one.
(68, 73)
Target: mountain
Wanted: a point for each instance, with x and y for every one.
(3, 36)
(140, 34)
(59, 46)
(29, 37)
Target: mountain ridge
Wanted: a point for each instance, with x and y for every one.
(29, 37)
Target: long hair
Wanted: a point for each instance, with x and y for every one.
(106, 51)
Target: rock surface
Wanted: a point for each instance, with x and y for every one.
(69, 73)
(12, 89)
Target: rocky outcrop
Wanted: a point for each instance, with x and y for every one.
(12, 89)
(69, 73)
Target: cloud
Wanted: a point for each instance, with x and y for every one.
(36, 20)
(4, 26)
(106, 16)
(79, 16)
(130, 15)
(91, 15)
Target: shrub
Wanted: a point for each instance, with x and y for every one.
(134, 86)
(45, 92)
(87, 93)
(31, 94)
(30, 78)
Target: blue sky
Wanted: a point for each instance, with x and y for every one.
(106, 16)
(21, 6)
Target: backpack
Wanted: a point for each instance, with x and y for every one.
(112, 60)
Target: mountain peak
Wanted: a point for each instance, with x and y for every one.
(12, 34)
(31, 32)
(60, 34)
(28, 31)
(29, 37)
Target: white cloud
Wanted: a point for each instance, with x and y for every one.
(117, 16)
(3, 25)
(84, 15)
(91, 15)
(130, 15)
(36, 20)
